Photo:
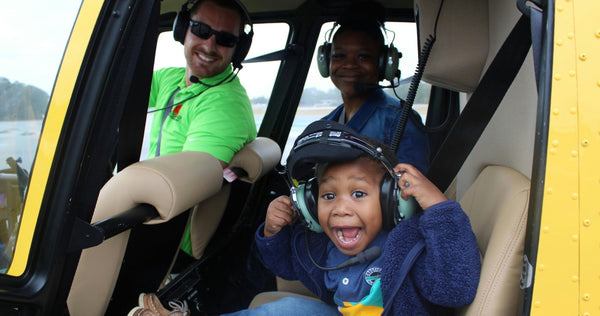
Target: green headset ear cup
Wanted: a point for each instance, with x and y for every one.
(406, 209)
(389, 68)
(323, 57)
(306, 204)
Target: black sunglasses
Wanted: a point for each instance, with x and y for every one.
(205, 32)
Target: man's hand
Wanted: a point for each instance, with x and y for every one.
(279, 214)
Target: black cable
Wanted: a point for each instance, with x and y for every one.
(195, 80)
(414, 85)
(412, 92)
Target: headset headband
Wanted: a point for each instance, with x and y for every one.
(314, 145)
(344, 139)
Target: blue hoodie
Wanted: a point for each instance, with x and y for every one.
(445, 275)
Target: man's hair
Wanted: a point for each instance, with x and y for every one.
(228, 4)
(367, 17)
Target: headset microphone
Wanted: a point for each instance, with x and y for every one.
(363, 87)
(194, 79)
(229, 78)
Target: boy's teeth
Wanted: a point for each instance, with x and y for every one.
(347, 235)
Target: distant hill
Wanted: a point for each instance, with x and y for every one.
(21, 102)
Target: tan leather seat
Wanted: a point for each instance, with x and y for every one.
(497, 204)
(172, 184)
(256, 158)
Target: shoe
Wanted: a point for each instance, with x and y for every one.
(150, 305)
(140, 311)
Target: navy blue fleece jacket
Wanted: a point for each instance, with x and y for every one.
(444, 276)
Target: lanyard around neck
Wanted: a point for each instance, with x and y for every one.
(167, 111)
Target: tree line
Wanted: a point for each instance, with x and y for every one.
(21, 102)
(316, 97)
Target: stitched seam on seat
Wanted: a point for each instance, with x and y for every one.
(507, 248)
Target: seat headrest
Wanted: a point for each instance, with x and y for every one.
(460, 51)
(256, 158)
(171, 183)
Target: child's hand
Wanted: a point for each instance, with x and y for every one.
(279, 214)
(413, 183)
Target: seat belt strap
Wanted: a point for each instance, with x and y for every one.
(407, 264)
(481, 106)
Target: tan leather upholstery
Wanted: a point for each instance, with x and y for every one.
(462, 38)
(497, 205)
(173, 184)
(256, 158)
(284, 288)
(205, 219)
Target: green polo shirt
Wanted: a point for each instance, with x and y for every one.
(215, 117)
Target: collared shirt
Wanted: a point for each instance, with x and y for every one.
(216, 118)
(378, 117)
(357, 289)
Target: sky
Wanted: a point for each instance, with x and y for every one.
(37, 32)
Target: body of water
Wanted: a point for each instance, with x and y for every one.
(19, 139)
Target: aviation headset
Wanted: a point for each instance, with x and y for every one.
(387, 64)
(327, 141)
(182, 22)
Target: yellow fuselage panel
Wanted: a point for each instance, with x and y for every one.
(567, 278)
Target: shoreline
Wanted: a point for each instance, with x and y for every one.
(324, 110)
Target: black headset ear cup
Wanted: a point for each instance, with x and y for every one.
(388, 63)
(241, 49)
(181, 23)
(389, 201)
(323, 57)
(311, 199)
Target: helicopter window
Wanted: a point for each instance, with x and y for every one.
(29, 63)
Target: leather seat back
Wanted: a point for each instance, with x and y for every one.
(172, 184)
(497, 204)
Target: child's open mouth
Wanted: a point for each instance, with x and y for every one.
(348, 237)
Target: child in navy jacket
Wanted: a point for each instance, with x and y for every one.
(351, 192)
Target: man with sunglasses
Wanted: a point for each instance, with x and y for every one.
(203, 107)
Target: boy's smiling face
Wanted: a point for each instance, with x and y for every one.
(349, 206)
